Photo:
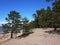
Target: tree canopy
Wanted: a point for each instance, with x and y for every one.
(13, 20)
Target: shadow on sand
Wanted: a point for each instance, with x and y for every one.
(24, 35)
(53, 32)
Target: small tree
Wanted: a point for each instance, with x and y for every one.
(5, 28)
(25, 22)
(13, 20)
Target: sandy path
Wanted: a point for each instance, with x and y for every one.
(39, 37)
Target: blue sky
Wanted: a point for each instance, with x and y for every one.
(25, 7)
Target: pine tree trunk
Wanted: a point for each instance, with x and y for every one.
(55, 29)
(23, 29)
(11, 34)
(37, 25)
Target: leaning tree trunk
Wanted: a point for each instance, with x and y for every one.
(55, 29)
(11, 34)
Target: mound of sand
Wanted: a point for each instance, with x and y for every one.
(39, 37)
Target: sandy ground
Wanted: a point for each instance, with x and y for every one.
(39, 37)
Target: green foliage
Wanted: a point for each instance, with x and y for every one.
(38, 17)
(5, 31)
(25, 21)
(17, 31)
(49, 17)
(13, 20)
(31, 25)
(56, 14)
(27, 25)
(46, 18)
(5, 27)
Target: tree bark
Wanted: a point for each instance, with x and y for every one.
(55, 29)
(11, 34)
(36, 23)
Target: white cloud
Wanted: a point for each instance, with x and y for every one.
(2, 23)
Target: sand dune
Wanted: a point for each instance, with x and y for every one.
(39, 37)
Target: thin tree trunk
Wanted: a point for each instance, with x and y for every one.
(11, 34)
(23, 29)
(55, 29)
(37, 25)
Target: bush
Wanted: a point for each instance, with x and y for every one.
(17, 31)
(5, 31)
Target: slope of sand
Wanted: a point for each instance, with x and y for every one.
(39, 37)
